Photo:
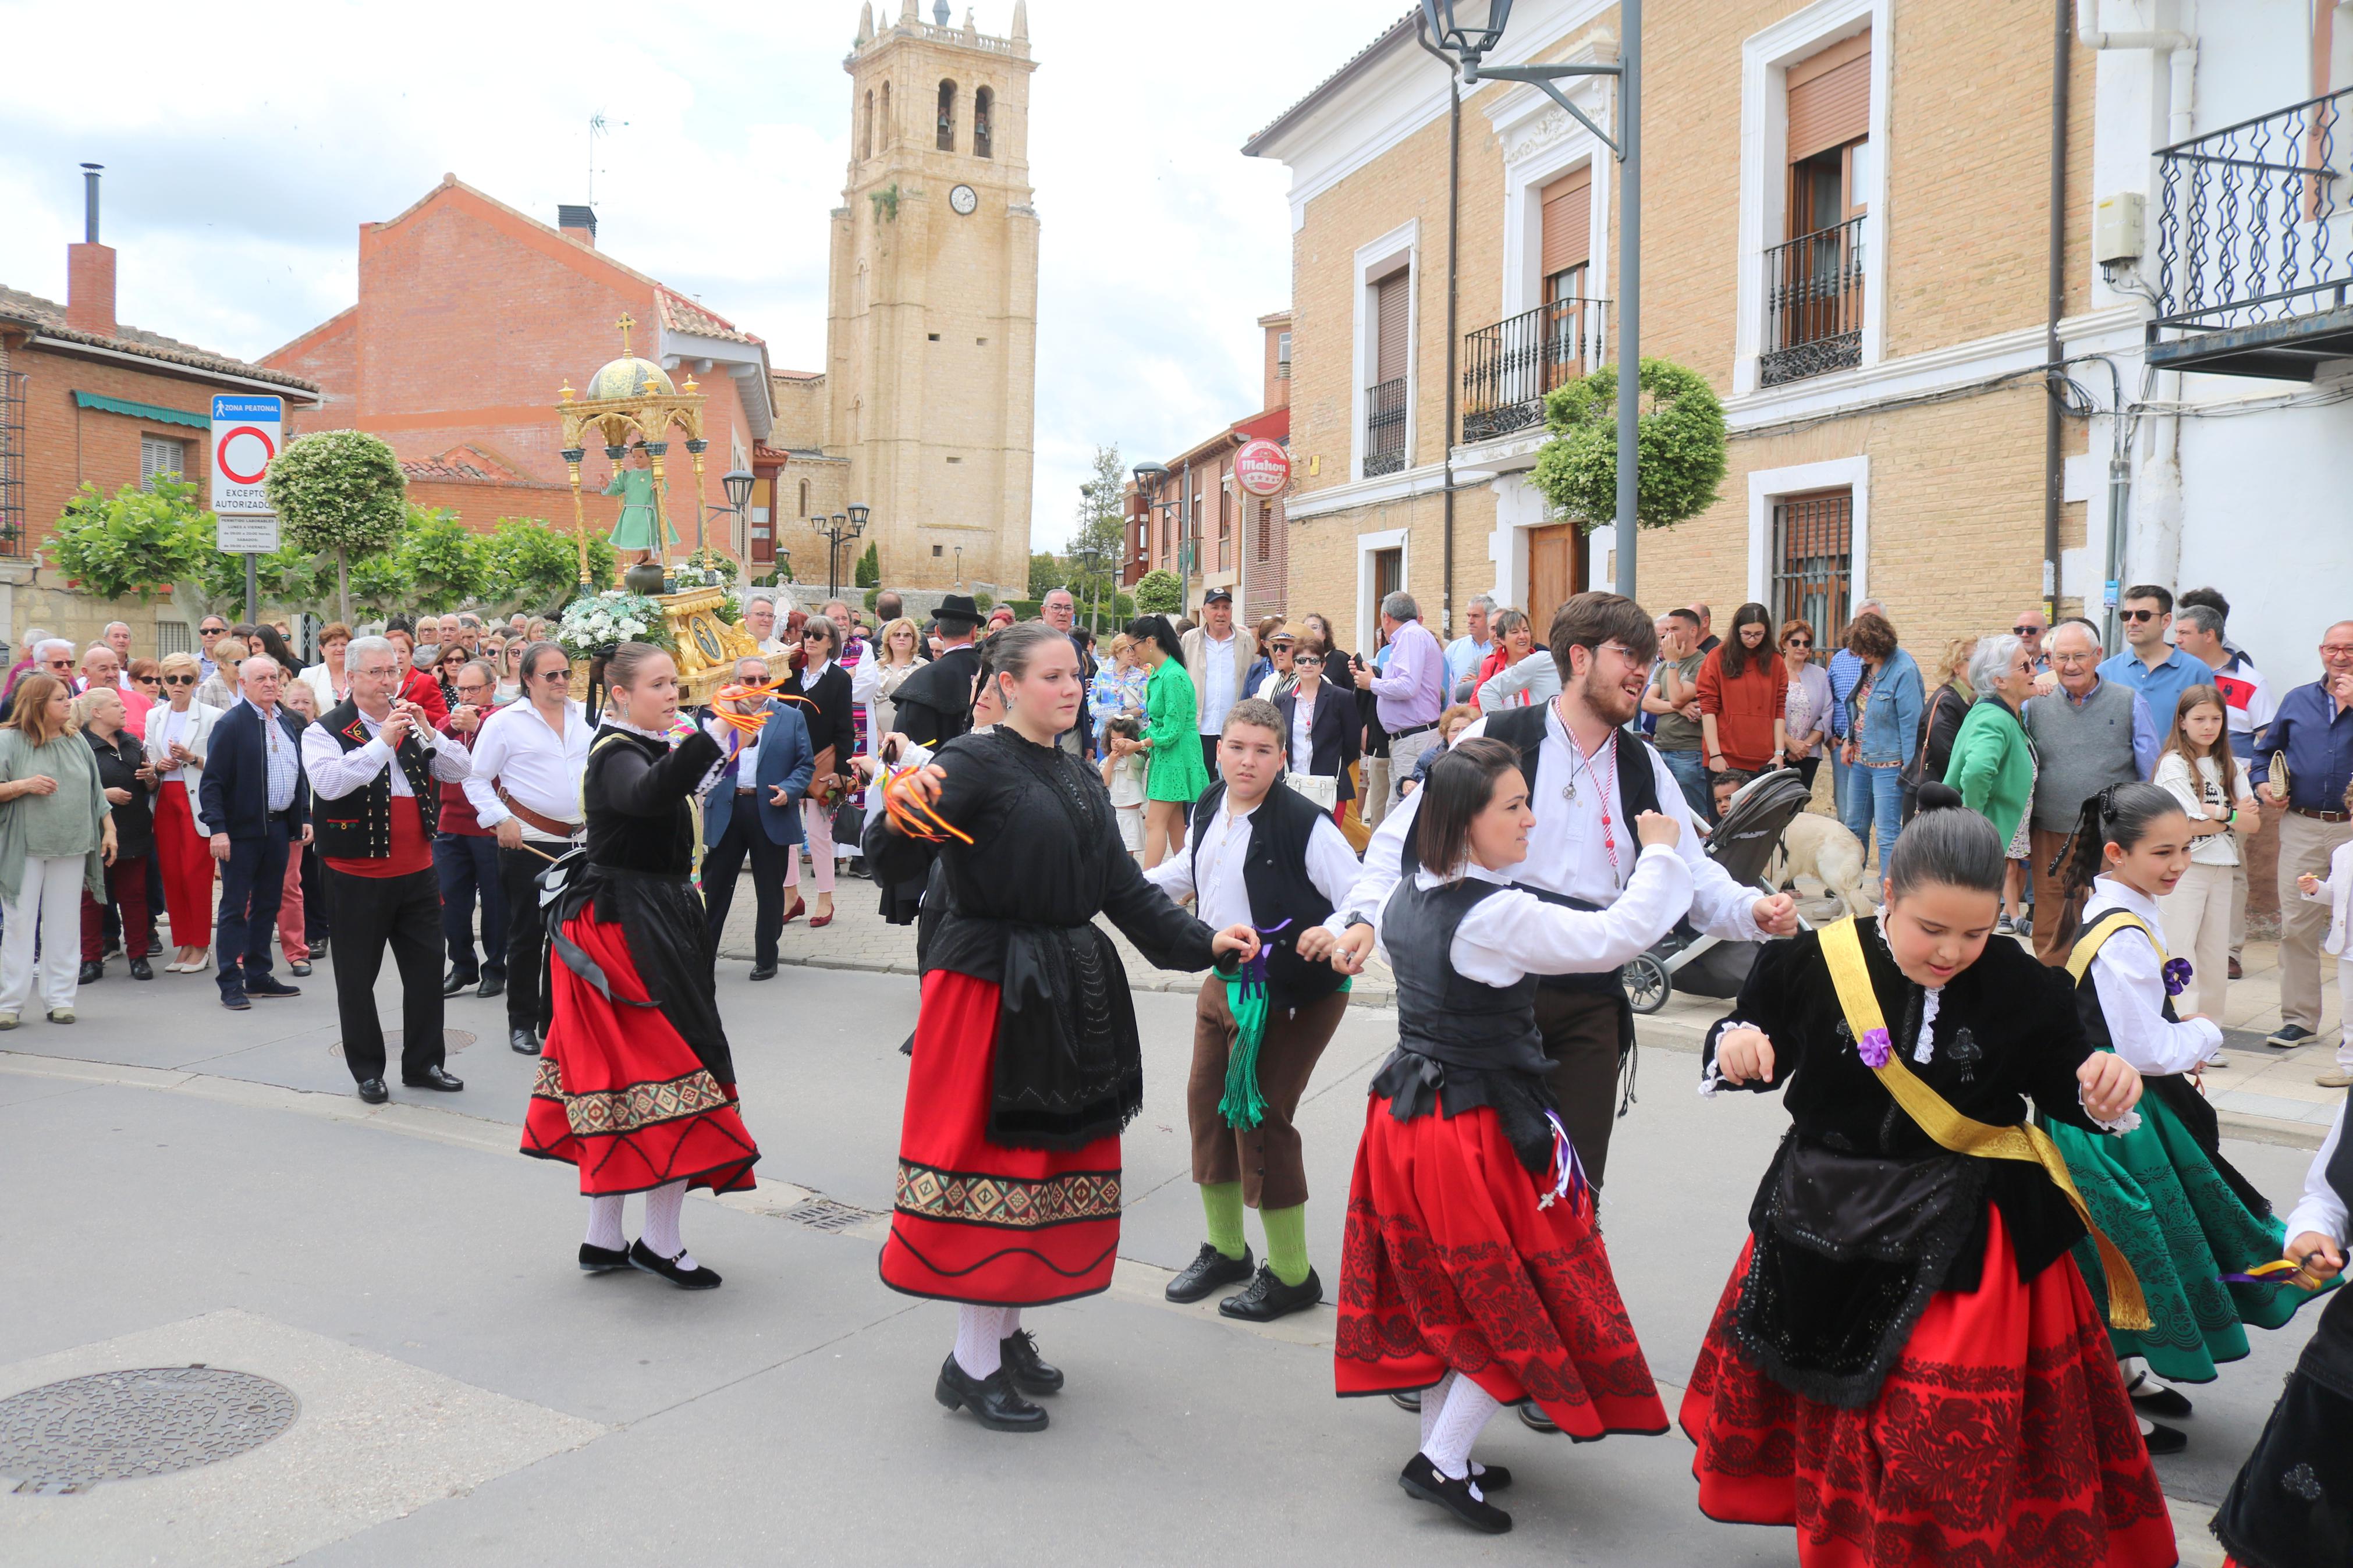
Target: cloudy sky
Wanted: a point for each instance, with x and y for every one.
(244, 147)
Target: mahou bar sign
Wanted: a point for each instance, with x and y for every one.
(1263, 467)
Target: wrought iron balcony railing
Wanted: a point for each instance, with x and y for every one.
(1813, 304)
(2254, 245)
(1507, 368)
(1385, 427)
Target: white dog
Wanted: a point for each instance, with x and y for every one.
(1821, 848)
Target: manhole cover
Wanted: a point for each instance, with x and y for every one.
(452, 1040)
(117, 1426)
(824, 1213)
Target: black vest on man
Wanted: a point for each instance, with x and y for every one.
(359, 825)
(1275, 874)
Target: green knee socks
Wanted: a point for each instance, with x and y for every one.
(1286, 1242)
(1222, 1202)
(1286, 1230)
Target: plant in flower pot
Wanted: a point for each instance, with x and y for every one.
(594, 625)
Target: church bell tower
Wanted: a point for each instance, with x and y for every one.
(932, 323)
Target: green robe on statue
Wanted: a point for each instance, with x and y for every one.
(636, 529)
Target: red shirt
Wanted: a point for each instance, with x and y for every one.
(411, 850)
(1745, 706)
(426, 693)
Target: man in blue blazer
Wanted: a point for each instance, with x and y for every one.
(258, 803)
(754, 810)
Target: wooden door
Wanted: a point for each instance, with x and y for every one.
(1555, 571)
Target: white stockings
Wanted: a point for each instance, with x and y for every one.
(981, 1331)
(604, 1223)
(1447, 1437)
(663, 1205)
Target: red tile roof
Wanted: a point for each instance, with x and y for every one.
(47, 318)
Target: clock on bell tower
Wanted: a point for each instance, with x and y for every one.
(931, 331)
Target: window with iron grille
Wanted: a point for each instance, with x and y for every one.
(12, 462)
(161, 458)
(1813, 562)
(173, 636)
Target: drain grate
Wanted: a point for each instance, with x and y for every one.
(825, 1214)
(119, 1425)
(452, 1040)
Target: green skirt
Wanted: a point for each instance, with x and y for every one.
(634, 530)
(1179, 774)
(2156, 1195)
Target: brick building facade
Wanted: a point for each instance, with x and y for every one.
(1844, 232)
(471, 317)
(85, 399)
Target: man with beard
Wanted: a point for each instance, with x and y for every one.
(1589, 779)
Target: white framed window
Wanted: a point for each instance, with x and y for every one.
(1383, 560)
(1384, 359)
(161, 458)
(1796, 533)
(1801, 283)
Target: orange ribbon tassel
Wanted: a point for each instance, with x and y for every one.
(913, 814)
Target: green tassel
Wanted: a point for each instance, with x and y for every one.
(1244, 1104)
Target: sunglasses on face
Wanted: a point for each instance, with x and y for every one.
(179, 680)
(1799, 642)
(147, 680)
(1310, 659)
(2138, 615)
(2026, 631)
(816, 637)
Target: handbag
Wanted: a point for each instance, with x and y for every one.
(1324, 790)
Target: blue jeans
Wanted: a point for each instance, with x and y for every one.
(1875, 796)
(1840, 772)
(1690, 769)
(468, 867)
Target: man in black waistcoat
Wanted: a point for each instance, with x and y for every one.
(375, 764)
(1258, 853)
(934, 706)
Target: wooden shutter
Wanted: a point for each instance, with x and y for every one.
(1830, 98)
(1568, 221)
(1392, 313)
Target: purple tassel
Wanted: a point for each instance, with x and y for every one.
(2176, 975)
(1253, 969)
(1875, 1049)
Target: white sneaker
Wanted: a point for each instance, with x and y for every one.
(2219, 1060)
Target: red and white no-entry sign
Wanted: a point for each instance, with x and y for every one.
(247, 434)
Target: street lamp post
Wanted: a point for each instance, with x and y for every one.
(738, 485)
(837, 529)
(1469, 44)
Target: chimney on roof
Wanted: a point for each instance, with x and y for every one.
(90, 268)
(579, 222)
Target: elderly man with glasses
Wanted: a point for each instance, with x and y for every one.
(373, 761)
(2089, 733)
(209, 630)
(2312, 736)
(254, 797)
(525, 788)
(52, 656)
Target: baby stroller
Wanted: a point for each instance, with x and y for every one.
(1743, 844)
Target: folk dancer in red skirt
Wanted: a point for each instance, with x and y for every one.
(1027, 1063)
(636, 1086)
(1905, 1364)
(1471, 1267)
(2292, 1505)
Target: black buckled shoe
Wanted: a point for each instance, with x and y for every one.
(440, 1079)
(602, 1259)
(1266, 1298)
(2164, 1439)
(1490, 1478)
(645, 1257)
(2154, 1399)
(1203, 1275)
(1031, 1372)
(1463, 1498)
(993, 1400)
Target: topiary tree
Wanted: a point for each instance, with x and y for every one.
(1159, 592)
(339, 492)
(868, 573)
(135, 540)
(1681, 447)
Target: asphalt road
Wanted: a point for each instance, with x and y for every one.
(187, 1185)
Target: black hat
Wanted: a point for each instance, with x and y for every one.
(1217, 595)
(958, 607)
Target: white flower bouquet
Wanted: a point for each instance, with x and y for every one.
(593, 626)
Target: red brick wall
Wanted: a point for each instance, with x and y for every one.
(65, 445)
(327, 354)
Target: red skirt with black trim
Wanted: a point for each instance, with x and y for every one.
(620, 1094)
(975, 1221)
(2001, 1435)
(1449, 1264)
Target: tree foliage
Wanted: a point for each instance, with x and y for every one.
(868, 573)
(339, 492)
(1159, 592)
(1679, 442)
(436, 562)
(133, 542)
(1046, 574)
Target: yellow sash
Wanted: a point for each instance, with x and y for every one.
(2079, 961)
(1842, 949)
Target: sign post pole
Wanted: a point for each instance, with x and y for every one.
(246, 433)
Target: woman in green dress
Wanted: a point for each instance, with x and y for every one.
(1171, 741)
(638, 529)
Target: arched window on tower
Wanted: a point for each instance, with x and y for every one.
(946, 140)
(865, 129)
(983, 101)
(887, 138)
